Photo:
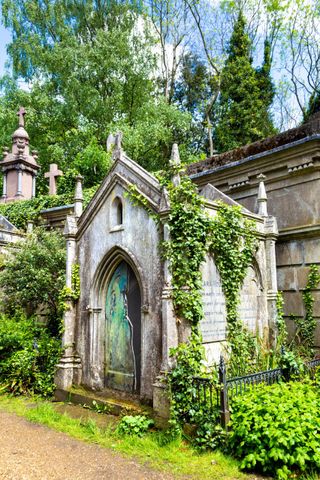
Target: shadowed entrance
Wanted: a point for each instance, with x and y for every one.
(123, 331)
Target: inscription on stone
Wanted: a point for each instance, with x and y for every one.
(213, 326)
(249, 301)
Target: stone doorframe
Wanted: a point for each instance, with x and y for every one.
(97, 322)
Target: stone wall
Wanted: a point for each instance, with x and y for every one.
(292, 182)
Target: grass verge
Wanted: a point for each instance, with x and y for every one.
(176, 458)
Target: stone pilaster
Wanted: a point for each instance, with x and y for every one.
(161, 404)
(96, 349)
(69, 368)
(271, 232)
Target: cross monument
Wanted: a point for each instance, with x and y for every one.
(53, 174)
(21, 113)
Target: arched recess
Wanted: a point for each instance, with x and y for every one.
(116, 213)
(118, 293)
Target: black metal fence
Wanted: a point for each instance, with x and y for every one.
(212, 396)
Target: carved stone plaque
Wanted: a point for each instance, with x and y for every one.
(213, 326)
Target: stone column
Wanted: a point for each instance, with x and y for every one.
(161, 403)
(4, 188)
(271, 232)
(19, 189)
(96, 351)
(69, 368)
(33, 186)
(169, 324)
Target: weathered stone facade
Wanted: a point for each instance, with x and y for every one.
(292, 171)
(120, 332)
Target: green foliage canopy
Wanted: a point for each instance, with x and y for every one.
(92, 69)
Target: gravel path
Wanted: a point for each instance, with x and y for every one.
(34, 452)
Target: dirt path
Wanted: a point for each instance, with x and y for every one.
(34, 452)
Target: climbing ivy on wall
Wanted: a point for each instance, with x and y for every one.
(306, 326)
(232, 240)
(189, 227)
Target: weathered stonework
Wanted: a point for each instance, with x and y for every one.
(292, 171)
(116, 243)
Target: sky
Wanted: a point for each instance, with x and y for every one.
(4, 39)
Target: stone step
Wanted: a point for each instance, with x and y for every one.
(114, 404)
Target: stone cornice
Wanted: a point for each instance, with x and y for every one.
(288, 160)
(302, 231)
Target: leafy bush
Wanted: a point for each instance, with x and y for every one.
(277, 429)
(19, 213)
(34, 274)
(134, 425)
(28, 355)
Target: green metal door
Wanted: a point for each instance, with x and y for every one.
(123, 331)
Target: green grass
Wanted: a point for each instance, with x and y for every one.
(177, 457)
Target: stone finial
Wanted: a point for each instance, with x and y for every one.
(21, 113)
(78, 197)
(262, 197)
(175, 163)
(175, 156)
(115, 142)
(30, 226)
(52, 175)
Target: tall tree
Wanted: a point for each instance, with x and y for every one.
(92, 68)
(246, 94)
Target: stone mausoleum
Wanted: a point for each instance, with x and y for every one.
(119, 334)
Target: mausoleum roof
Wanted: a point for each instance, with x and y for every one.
(311, 128)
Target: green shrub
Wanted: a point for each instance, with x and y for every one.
(277, 429)
(19, 213)
(34, 274)
(28, 355)
(134, 425)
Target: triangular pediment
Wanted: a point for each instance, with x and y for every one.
(211, 193)
(124, 172)
(6, 225)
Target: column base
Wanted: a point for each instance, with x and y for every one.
(68, 372)
(161, 399)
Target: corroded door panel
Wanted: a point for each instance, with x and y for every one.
(123, 330)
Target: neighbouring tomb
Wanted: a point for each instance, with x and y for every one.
(119, 333)
(19, 167)
(290, 164)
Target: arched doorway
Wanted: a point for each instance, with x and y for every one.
(123, 330)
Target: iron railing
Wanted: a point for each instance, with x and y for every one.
(212, 396)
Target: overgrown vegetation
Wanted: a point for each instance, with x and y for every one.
(134, 425)
(33, 275)
(28, 356)
(20, 213)
(276, 429)
(307, 325)
(231, 240)
(176, 458)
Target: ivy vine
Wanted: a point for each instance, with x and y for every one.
(307, 325)
(72, 293)
(232, 241)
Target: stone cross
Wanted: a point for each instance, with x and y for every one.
(52, 175)
(21, 113)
